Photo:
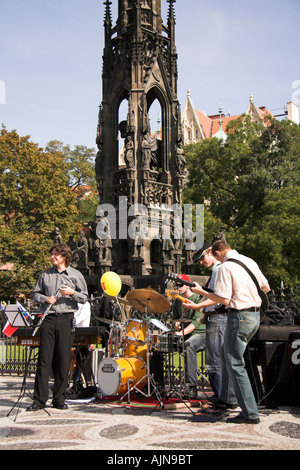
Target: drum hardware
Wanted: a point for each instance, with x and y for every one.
(148, 377)
(115, 335)
(122, 301)
(182, 381)
(107, 321)
(119, 301)
(182, 385)
(137, 345)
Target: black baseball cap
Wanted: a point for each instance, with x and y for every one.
(202, 252)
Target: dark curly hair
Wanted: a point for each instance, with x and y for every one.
(63, 250)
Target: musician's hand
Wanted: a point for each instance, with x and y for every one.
(177, 326)
(66, 290)
(51, 300)
(197, 289)
(190, 304)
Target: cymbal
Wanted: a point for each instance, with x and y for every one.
(148, 299)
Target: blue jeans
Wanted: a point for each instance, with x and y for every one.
(236, 387)
(193, 345)
(215, 329)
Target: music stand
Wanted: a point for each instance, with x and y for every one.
(17, 320)
(14, 316)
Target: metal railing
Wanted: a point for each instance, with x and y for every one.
(13, 358)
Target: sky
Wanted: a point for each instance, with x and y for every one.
(51, 61)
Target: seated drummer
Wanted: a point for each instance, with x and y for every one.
(194, 332)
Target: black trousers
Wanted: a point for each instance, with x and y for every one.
(56, 340)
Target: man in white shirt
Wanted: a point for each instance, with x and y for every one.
(235, 289)
(215, 319)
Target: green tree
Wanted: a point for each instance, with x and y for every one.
(272, 236)
(80, 164)
(35, 198)
(239, 183)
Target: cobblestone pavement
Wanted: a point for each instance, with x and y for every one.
(117, 428)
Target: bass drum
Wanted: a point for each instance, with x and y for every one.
(115, 376)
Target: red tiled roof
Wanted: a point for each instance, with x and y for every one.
(211, 124)
(205, 123)
(263, 112)
(216, 123)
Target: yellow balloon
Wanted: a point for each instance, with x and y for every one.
(111, 283)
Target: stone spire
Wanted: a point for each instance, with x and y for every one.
(140, 68)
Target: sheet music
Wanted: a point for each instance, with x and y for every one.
(159, 324)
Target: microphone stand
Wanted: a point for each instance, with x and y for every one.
(24, 385)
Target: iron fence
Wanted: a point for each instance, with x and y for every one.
(13, 357)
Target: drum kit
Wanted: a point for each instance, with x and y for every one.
(132, 343)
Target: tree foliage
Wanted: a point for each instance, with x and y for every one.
(35, 198)
(251, 184)
(80, 165)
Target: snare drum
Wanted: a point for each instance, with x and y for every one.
(116, 376)
(167, 343)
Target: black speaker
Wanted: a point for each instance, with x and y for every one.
(291, 377)
(275, 391)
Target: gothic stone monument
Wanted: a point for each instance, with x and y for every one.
(140, 182)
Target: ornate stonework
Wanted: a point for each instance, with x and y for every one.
(139, 69)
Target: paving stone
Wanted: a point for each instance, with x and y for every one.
(117, 428)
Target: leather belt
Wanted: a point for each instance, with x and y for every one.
(250, 309)
(60, 314)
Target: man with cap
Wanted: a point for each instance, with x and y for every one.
(235, 289)
(215, 319)
(193, 331)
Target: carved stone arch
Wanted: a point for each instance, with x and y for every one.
(158, 92)
(120, 128)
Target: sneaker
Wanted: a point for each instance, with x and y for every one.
(239, 419)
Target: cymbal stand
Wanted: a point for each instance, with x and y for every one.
(24, 388)
(114, 339)
(182, 380)
(182, 384)
(150, 379)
